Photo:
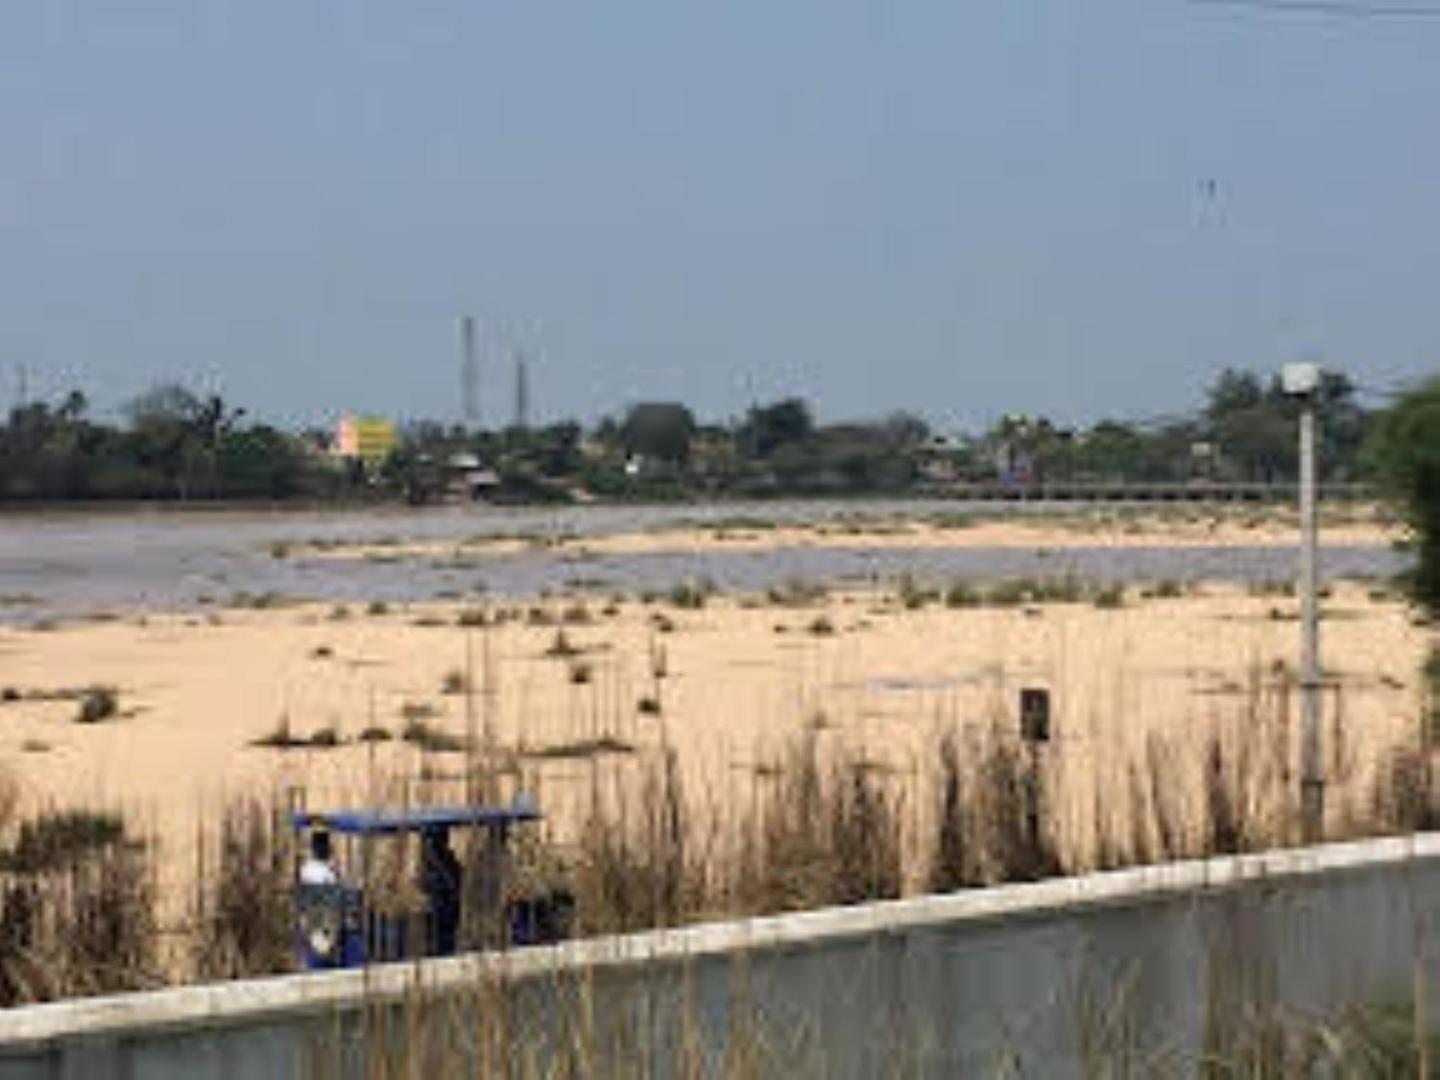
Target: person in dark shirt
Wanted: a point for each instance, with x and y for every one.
(440, 884)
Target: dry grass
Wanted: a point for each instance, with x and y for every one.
(243, 922)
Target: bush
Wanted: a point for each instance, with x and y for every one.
(1110, 596)
(471, 617)
(1405, 457)
(431, 739)
(98, 703)
(59, 839)
(691, 596)
(561, 648)
(961, 594)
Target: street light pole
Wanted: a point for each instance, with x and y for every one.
(1302, 381)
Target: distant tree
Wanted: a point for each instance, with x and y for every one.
(261, 462)
(904, 430)
(1252, 428)
(1233, 391)
(769, 427)
(658, 429)
(1405, 457)
(179, 433)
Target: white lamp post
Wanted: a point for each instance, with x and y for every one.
(1302, 381)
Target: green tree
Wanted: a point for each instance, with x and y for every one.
(769, 427)
(658, 429)
(1405, 457)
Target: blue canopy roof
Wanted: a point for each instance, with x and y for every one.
(416, 819)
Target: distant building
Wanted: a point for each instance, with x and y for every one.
(369, 439)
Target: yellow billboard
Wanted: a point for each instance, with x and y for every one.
(370, 438)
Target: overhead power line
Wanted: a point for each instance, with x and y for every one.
(1339, 9)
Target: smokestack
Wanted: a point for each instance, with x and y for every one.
(469, 371)
(522, 391)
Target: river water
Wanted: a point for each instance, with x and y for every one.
(67, 563)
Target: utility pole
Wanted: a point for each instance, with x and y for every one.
(1302, 381)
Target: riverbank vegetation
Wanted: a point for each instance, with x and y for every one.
(173, 445)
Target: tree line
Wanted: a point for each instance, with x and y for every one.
(172, 444)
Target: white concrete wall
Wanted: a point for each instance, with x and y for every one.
(1029, 974)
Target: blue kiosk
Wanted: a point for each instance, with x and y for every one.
(337, 926)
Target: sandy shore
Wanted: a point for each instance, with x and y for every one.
(1263, 527)
(741, 676)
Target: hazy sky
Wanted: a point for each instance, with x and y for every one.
(962, 207)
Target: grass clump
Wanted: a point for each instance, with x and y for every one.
(244, 911)
(691, 595)
(912, 595)
(961, 594)
(797, 592)
(561, 647)
(98, 704)
(59, 839)
(1165, 590)
(580, 672)
(821, 626)
(581, 749)
(577, 614)
(431, 739)
(1109, 597)
(281, 737)
(455, 682)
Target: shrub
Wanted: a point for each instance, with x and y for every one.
(561, 648)
(432, 739)
(245, 912)
(962, 594)
(98, 703)
(1110, 596)
(691, 595)
(58, 839)
(281, 737)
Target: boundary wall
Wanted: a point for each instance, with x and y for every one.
(1151, 966)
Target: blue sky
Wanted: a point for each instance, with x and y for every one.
(1075, 208)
